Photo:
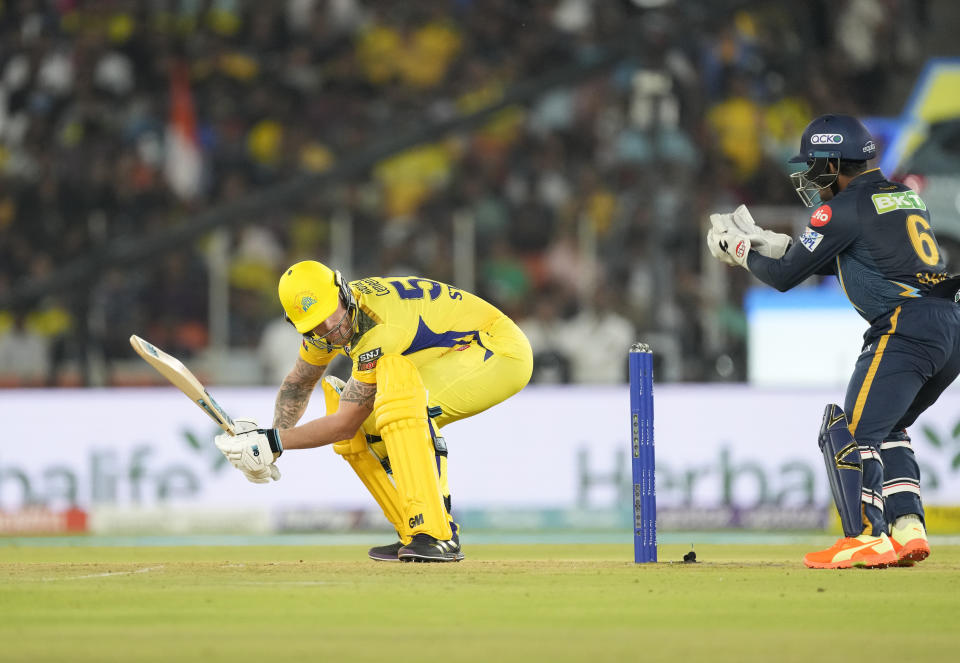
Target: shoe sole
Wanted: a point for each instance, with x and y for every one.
(912, 552)
(427, 558)
(877, 562)
(384, 559)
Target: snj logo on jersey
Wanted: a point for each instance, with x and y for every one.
(826, 139)
(821, 216)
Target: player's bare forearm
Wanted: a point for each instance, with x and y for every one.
(359, 393)
(295, 393)
(356, 404)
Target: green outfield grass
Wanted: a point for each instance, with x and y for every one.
(504, 603)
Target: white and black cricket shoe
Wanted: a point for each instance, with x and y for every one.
(425, 548)
(385, 553)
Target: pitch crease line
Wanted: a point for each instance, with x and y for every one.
(147, 569)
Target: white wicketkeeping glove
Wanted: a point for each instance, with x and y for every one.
(765, 242)
(771, 244)
(714, 243)
(740, 222)
(252, 450)
(736, 246)
(722, 223)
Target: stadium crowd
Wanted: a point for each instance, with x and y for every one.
(588, 202)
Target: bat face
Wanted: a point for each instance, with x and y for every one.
(180, 377)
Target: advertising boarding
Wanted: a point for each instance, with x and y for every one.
(734, 448)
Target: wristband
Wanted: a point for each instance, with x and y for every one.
(273, 437)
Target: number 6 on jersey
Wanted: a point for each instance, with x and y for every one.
(180, 377)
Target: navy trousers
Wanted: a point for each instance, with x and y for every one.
(909, 357)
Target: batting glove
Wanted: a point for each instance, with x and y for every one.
(252, 450)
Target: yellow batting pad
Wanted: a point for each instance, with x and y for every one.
(379, 448)
(366, 463)
(401, 411)
(332, 386)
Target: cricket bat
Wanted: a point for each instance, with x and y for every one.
(180, 377)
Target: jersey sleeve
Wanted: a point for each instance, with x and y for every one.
(315, 356)
(828, 232)
(374, 344)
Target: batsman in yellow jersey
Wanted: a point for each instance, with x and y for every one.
(425, 354)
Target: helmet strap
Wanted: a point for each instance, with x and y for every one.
(349, 301)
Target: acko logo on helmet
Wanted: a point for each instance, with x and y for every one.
(826, 139)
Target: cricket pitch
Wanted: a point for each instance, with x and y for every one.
(574, 602)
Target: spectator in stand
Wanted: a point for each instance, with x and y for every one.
(544, 328)
(279, 90)
(599, 337)
(24, 353)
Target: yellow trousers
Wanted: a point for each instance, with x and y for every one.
(467, 380)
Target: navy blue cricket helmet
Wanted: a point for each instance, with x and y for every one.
(839, 136)
(829, 138)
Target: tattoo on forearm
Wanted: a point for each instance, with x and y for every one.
(294, 394)
(359, 393)
(291, 403)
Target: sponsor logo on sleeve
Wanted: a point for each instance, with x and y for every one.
(810, 239)
(821, 216)
(368, 360)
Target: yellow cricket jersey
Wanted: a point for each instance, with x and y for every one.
(419, 318)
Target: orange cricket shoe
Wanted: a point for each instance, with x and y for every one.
(909, 540)
(866, 551)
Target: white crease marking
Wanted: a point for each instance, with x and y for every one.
(146, 569)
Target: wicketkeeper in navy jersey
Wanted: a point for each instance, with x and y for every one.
(876, 237)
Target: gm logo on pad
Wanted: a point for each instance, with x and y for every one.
(826, 139)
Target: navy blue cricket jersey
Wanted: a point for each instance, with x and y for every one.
(875, 235)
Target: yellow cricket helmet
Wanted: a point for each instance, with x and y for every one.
(309, 293)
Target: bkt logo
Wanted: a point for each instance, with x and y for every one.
(826, 139)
